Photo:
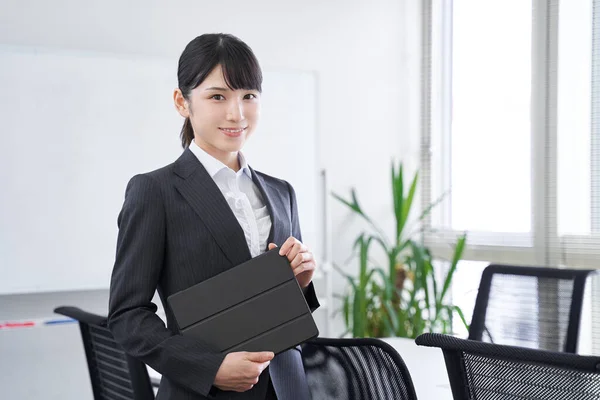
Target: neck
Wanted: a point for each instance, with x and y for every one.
(229, 158)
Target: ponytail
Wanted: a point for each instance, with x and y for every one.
(187, 133)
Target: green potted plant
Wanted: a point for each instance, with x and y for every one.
(406, 298)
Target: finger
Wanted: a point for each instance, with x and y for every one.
(262, 366)
(287, 245)
(243, 388)
(252, 373)
(272, 246)
(304, 267)
(301, 258)
(295, 250)
(260, 357)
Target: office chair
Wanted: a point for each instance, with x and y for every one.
(114, 374)
(531, 307)
(486, 371)
(357, 369)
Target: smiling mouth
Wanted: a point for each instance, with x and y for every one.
(233, 132)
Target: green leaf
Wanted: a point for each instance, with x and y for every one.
(389, 328)
(402, 323)
(342, 272)
(407, 204)
(397, 250)
(358, 315)
(382, 242)
(427, 273)
(421, 270)
(458, 250)
(359, 307)
(347, 331)
(388, 284)
(434, 281)
(346, 310)
(398, 196)
(418, 323)
(461, 316)
(364, 244)
(355, 200)
(375, 293)
(431, 206)
(391, 316)
(353, 205)
(351, 280)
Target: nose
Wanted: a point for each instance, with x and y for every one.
(235, 111)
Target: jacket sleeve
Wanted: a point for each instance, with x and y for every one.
(309, 291)
(132, 315)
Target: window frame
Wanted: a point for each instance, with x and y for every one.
(543, 245)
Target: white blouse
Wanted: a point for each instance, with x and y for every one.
(242, 196)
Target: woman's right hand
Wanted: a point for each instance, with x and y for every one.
(239, 371)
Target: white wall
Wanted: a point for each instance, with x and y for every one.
(365, 52)
(366, 55)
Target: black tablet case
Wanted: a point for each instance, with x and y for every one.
(255, 306)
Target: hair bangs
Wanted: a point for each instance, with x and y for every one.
(240, 69)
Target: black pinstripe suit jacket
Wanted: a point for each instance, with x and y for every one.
(175, 230)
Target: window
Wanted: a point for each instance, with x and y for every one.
(478, 142)
(509, 138)
(574, 118)
(578, 133)
(490, 131)
(511, 132)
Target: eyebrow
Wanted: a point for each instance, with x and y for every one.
(217, 88)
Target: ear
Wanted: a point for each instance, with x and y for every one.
(181, 104)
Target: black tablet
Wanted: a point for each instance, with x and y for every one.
(255, 306)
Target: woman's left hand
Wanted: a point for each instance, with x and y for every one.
(301, 259)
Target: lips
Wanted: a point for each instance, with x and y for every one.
(232, 132)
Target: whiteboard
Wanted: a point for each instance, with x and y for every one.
(75, 127)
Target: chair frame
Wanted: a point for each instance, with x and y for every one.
(579, 277)
(378, 343)
(140, 379)
(453, 349)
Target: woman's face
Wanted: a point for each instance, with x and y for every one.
(223, 119)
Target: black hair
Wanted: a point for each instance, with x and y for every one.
(240, 68)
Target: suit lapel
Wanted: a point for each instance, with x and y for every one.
(281, 227)
(202, 193)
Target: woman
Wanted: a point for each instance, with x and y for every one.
(199, 216)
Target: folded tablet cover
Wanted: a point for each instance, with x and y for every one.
(255, 306)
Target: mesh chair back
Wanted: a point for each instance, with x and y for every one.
(358, 369)
(114, 374)
(485, 371)
(530, 307)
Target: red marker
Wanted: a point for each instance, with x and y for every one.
(26, 324)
